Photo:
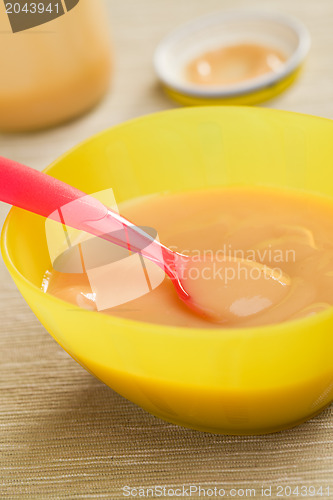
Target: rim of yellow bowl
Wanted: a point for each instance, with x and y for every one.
(156, 328)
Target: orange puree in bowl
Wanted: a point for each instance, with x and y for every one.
(259, 256)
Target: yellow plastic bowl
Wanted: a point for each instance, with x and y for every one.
(237, 381)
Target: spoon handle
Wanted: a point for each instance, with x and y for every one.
(44, 195)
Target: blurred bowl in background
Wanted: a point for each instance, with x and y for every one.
(224, 29)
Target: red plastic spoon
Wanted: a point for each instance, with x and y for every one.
(215, 299)
(44, 195)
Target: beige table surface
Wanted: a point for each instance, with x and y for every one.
(63, 434)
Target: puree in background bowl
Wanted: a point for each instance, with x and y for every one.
(233, 64)
(288, 232)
